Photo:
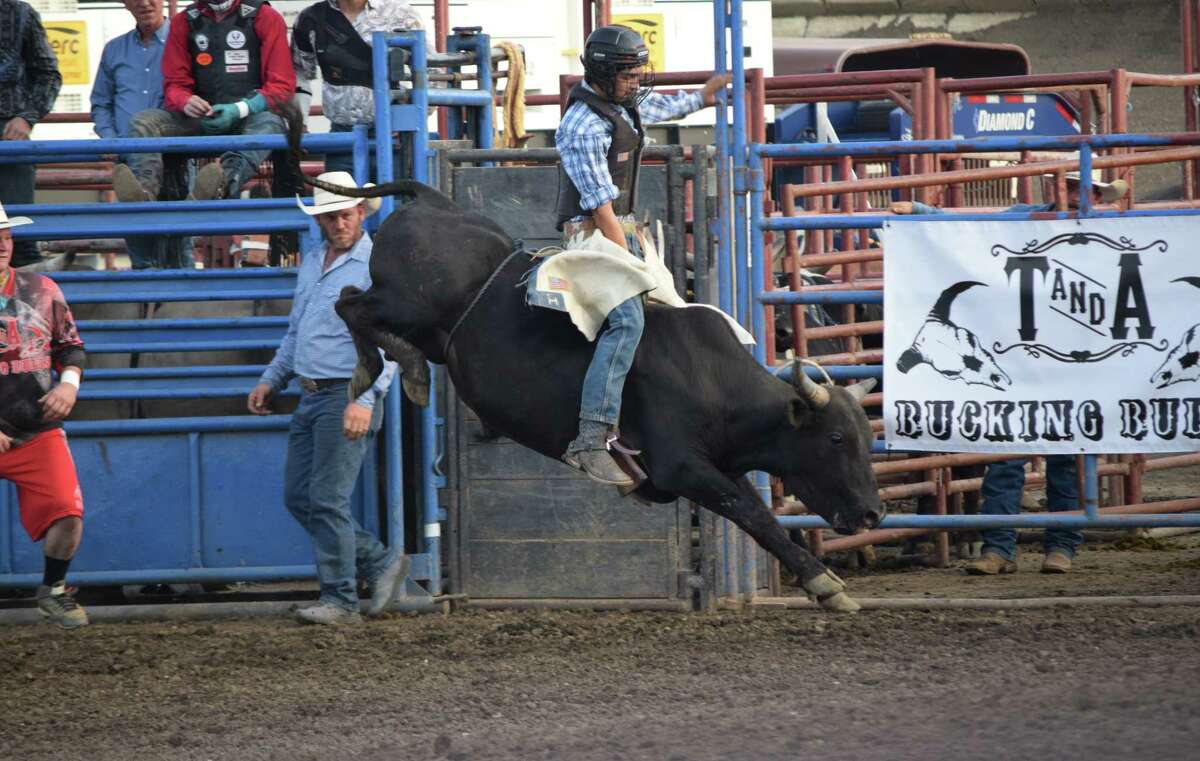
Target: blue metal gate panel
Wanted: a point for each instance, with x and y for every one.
(180, 505)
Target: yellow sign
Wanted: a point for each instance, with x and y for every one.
(650, 26)
(70, 42)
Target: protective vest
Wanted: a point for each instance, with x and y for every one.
(226, 57)
(342, 53)
(624, 157)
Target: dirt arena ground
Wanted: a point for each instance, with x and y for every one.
(1059, 683)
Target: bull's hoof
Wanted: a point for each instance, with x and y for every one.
(360, 381)
(840, 603)
(415, 390)
(830, 592)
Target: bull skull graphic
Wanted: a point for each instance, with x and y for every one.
(954, 352)
(1183, 362)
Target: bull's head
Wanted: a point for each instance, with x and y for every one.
(953, 352)
(1183, 363)
(829, 467)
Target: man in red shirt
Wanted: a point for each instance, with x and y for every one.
(225, 63)
(37, 333)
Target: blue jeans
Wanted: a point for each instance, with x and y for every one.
(173, 252)
(155, 122)
(16, 187)
(344, 162)
(322, 466)
(616, 346)
(1002, 487)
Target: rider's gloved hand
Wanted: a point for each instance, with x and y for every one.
(225, 115)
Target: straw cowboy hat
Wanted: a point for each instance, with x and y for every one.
(325, 201)
(7, 221)
(1109, 191)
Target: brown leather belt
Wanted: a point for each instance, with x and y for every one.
(313, 385)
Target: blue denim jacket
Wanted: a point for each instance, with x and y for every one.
(318, 343)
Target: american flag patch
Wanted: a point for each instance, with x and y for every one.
(558, 284)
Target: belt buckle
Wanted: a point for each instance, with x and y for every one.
(309, 385)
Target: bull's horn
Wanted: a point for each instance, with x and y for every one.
(1190, 280)
(860, 390)
(818, 395)
(941, 309)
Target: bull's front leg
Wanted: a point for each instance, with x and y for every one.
(358, 310)
(738, 501)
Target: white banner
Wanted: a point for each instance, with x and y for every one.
(1043, 336)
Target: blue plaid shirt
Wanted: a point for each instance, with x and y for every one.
(584, 137)
(318, 344)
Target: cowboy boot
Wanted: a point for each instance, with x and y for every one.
(589, 453)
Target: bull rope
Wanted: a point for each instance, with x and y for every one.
(518, 249)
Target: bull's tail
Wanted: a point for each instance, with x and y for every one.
(289, 174)
(294, 175)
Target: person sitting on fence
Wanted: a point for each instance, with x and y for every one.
(333, 38)
(29, 83)
(37, 334)
(1004, 482)
(600, 142)
(224, 65)
(128, 81)
(329, 435)
(1102, 192)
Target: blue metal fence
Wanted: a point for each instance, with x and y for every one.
(742, 224)
(199, 498)
(760, 224)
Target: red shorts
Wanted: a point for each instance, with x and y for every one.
(43, 471)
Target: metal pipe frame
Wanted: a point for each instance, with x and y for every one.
(1091, 516)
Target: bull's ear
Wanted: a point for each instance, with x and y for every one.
(799, 412)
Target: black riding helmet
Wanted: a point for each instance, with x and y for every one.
(612, 49)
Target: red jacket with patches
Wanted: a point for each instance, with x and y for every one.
(37, 333)
(278, 74)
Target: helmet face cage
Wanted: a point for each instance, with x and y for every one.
(611, 50)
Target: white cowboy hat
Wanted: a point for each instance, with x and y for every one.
(1109, 191)
(7, 222)
(325, 201)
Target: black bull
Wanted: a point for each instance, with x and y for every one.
(699, 407)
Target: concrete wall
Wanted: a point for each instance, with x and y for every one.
(1059, 35)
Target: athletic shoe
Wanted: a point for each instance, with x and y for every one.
(328, 614)
(58, 607)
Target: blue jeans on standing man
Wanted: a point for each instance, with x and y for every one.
(616, 346)
(1002, 487)
(322, 468)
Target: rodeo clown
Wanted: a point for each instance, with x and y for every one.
(600, 143)
(225, 63)
(37, 333)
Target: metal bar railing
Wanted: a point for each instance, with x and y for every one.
(1092, 515)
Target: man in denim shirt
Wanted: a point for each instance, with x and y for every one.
(1004, 482)
(328, 436)
(600, 142)
(129, 80)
